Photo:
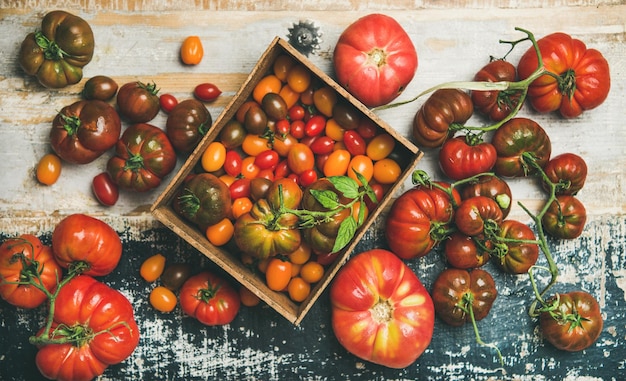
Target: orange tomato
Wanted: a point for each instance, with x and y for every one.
(380, 146)
(312, 272)
(363, 165)
(241, 206)
(289, 96)
(337, 163)
(49, 169)
(253, 145)
(299, 78)
(214, 157)
(334, 130)
(298, 289)
(301, 255)
(220, 233)
(249, 170)
(386, 171)
(191, 51)
(247, 297)
(152, 268)
(278, 274)
(268, 84)
(163, 299)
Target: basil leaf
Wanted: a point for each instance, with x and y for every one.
(328, 199)
(345, 233)
(347, 186)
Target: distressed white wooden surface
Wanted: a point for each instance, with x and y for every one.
(139, 40)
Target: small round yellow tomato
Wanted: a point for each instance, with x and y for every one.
(380, 146)
(163, 299)
(49, 169)
(152, 268)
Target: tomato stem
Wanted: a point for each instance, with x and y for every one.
(467, 305)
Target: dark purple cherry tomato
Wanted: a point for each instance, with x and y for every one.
(355, 144)
(105, 189)
(206, 92)
(315, 125)
(167, 102)
(100, 87)
(267, 159)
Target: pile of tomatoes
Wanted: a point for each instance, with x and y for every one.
(255, 183)
(89, 325)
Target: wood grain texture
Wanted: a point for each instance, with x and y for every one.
(140, 40)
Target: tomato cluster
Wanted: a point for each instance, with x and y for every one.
(88, 322)
(255, 186)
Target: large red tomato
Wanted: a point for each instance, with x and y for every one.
(375, 59)
(210, 299)
(26, 259)
(93, 327)
(82, 240)
(381, 312)
(581, 79)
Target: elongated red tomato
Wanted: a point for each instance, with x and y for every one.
(381, 312)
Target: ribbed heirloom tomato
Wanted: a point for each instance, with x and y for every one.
(381, 312)
(210, 299)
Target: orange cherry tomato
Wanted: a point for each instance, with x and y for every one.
(249, 170)
(386, 171)
(312, 272)
(299, 78)
(241, 206)
(301, 255)
(289, 96)
(283, 144)
(248, 298)
(380, 146)
(191, 51)
(49, 169)
(268, 84)
(214, 157)
(337, 163)
(278, 274)
(300, 158)
(152, 268)
(324, 100)
(220, 233)
(363, 165)
(334, 130)
(298, 289)
(254, 144)
(163, 299)
(282, 65)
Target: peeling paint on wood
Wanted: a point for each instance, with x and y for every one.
(140, 40)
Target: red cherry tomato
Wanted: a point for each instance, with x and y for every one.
(355, 144)
(315, 125)
(105, 189)
(240, 188)
(297, 112)
(307, 177)
(167, 102)
(267, 159)
(322, 145)
(233, 163)
(207, 92)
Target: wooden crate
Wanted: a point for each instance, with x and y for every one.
(162, 207)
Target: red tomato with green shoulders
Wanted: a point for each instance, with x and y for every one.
(496, 104)
(93, 327)
(210, 299)
(565, 217)
(138, 102)
(79, 239)
(515, 139)
(375, 59)
(465, 156)
(381, 312)
(581, 77)
(25, 258)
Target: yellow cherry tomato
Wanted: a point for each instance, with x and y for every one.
(299, 78)
(220, 233)
(49, 169)
(312, 272)
(163, 299)
(152, 268)
(298, 289)
(386, 171)
(191, 51)
(214, 157)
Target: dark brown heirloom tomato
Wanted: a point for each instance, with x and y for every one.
(274, 106)
(346, 115)
(143, 157)
(233, 134)
(84, 130)
(496, 104)
(187, 124)
(476, 214)
(565, 217)
(445, 108)
(455, 291)
(418, 220)
(99, 87)
(517, 257)
(569, 171)
(575, 324)
(139, 102)
(57, 53)
(255, 120)
(465, 252)
(203, 199)
(516, 137)
(493, 187)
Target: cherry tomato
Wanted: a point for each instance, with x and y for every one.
(296, 112)
(301, 255)
(289, 96)
(298, 289)
(300, 158)
(297, 129)
(241, 205)
(268, 84)
(233, 134)
(315, 125)
(322, 145)
(282, 64)
(363, 165)
(191, 50)
(307, 177)
(299, 78)
(380, 146)
(206, 92)
(249, 169)
(278, 274)
(49, 169)
(214, 157)
(175, 275)
(240, 188)
(248, 298)
(387, 171)
(152, 268)
(324, 100)
(233, 163)
(220, 233)
(254, 144)
(367, 129)
(105, 189)
(267, 159)
(167, 102)
(282, 127)
(282, 144)
(312, 272)
(163, 299)
(282, 169)
(337, 163)
(354, 142)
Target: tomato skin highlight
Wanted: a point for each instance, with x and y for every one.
(48, 169)
(105, 189)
